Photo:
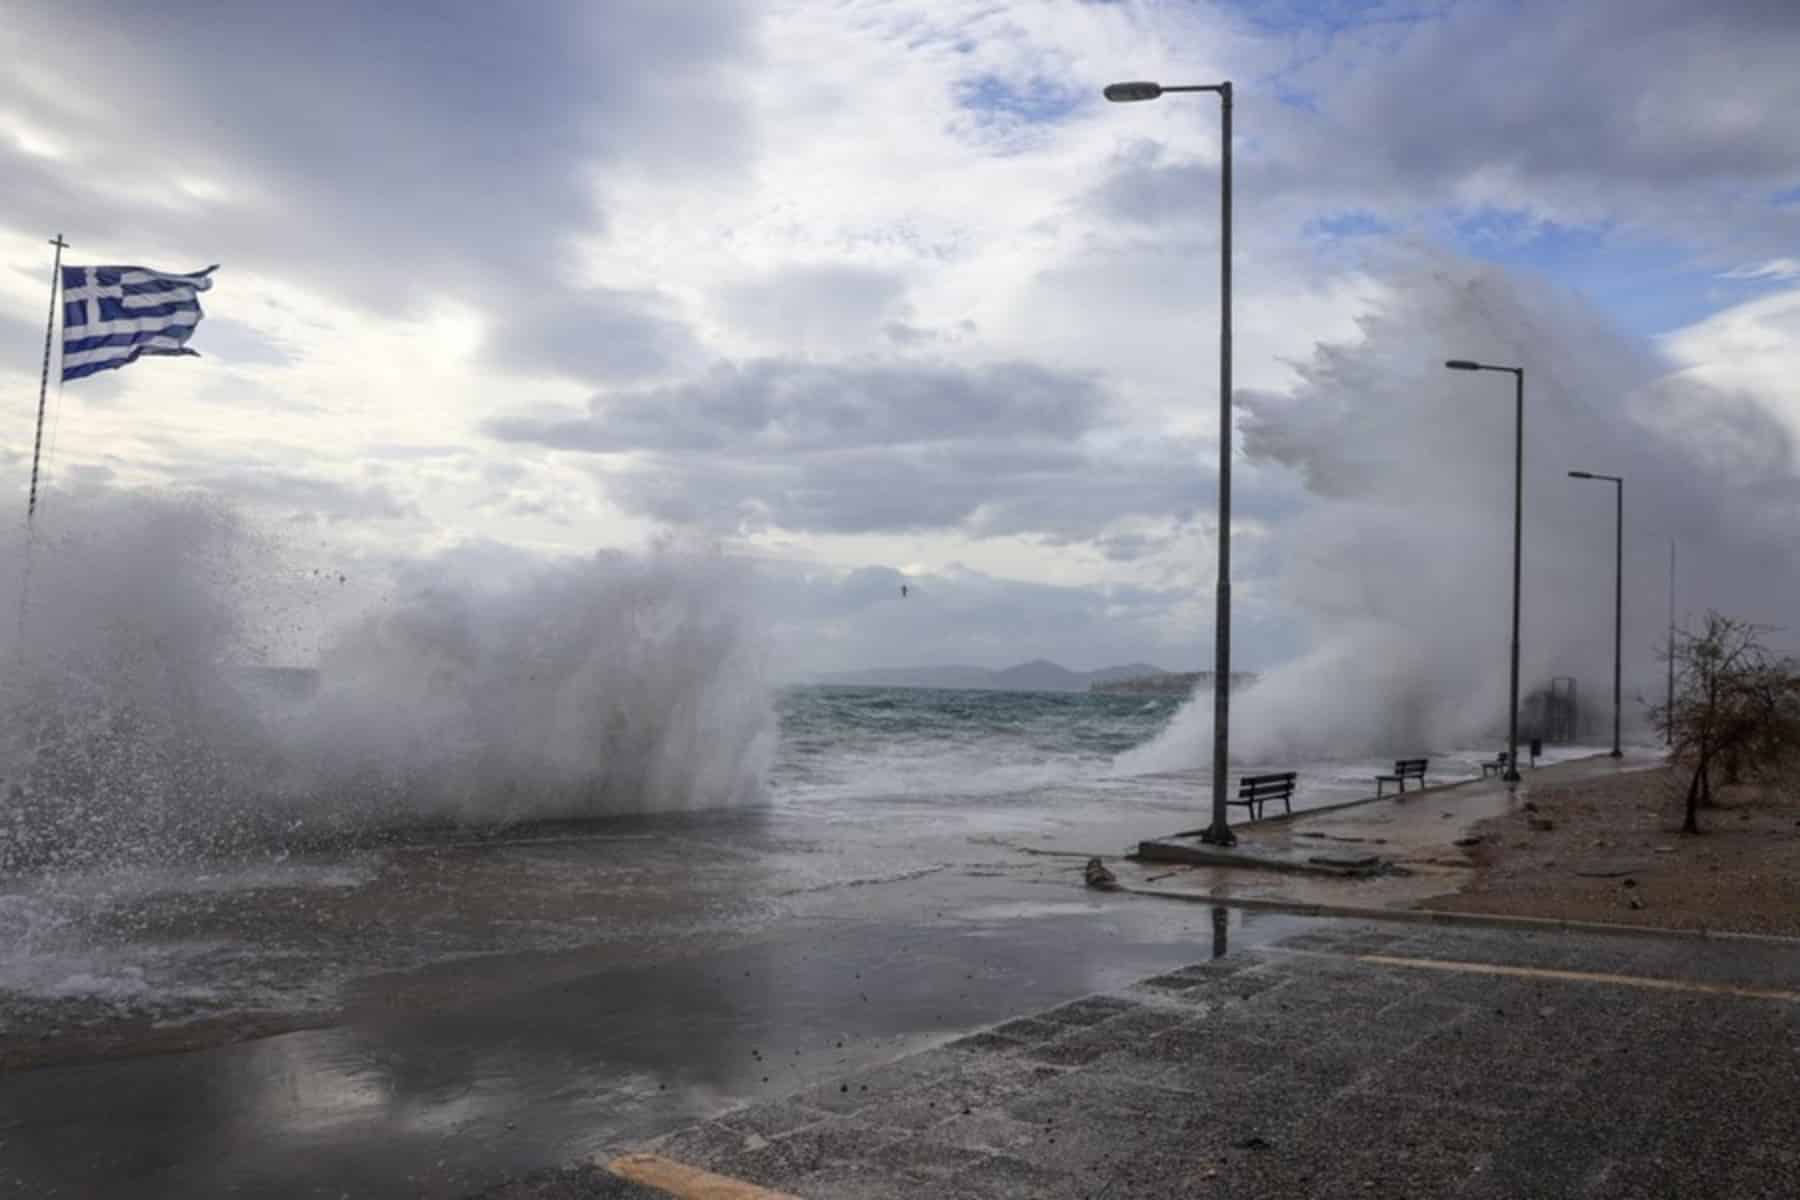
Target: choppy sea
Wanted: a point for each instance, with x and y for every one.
(867, 785)
(845, 744)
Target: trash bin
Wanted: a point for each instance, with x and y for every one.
(1537, 748)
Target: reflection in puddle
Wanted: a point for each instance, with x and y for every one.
(1024, 910)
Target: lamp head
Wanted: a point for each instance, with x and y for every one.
(1122, 93)
(1463, 364)
(1581, 475)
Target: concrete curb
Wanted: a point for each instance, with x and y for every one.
(1162, 850)
(1438, 916)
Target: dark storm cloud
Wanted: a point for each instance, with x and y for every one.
(1660, 92)
(597, 335)
(1666, 115)
(380, 153)
(1144, 188)
(1127, 547)
(818, 303)
(774, 405)
(990, 451)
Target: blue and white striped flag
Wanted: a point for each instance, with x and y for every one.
(111, 315)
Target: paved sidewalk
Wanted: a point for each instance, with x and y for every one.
(1360, 1060)
(1426, 833)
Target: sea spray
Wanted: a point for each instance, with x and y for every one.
(1403, 567)
(615, 683)
(120, 732)
(132, 732)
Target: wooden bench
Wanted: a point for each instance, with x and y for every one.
(1497, 765)
(1256, 790)
(1404, 769)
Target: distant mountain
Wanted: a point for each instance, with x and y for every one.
(1039, 675)
(1179, 684)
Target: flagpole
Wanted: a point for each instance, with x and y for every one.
(37, 446)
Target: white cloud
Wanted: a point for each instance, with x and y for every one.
(1753, 348)
(601, 209)
(1774, 268)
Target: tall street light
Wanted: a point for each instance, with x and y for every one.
(1219, 834)
(1512, 716)
(1618, 583)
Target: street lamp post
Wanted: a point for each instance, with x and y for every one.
(1618, 584)
(1669, 704)
(1219, 833)
(1512, 717)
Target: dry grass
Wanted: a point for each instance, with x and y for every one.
(1742, 872)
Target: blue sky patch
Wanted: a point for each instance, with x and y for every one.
(1037, 100)
(1347, 225)
(1648, 287)
(1333, 16)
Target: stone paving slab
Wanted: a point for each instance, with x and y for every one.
(1304, 1069)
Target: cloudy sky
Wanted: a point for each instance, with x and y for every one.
(856, 288)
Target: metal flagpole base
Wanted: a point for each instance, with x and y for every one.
(1511, 776)
(1219, 835)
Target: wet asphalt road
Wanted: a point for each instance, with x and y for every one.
(663, 973)
(492, 1005)
(1352, 1060)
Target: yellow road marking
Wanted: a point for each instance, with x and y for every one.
(689, 1183)
(1637, 981)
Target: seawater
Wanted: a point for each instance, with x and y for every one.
(866, 785)
(863, 745)
(846, 743)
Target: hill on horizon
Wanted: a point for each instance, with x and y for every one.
(1038, 675)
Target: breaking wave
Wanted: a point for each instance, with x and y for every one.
(132, 728)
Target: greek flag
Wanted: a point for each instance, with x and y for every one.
(111, 315)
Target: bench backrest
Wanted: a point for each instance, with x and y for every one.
(1259, 787)
(1410, 766)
